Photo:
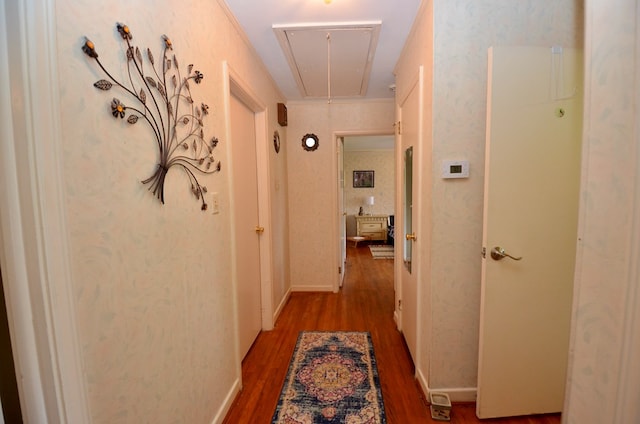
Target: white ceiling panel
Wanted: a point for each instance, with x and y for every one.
(330, 61)
(259, 17)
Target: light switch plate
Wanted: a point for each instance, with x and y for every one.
(215, 203)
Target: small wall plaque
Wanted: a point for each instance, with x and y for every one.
(282, 114)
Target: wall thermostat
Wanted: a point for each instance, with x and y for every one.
(455, 169)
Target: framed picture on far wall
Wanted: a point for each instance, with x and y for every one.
(362, 179)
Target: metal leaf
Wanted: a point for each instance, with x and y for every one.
(174, 80)
(190, 68)
(185, 120)
(168, 64)
(175, 61)
(151, 82)
(103, 84)
(143, 96)
(161, 88)
(198, 112)
(150, 56)
(138, 55)
(170, 108)
(195, 145)
(132, 119)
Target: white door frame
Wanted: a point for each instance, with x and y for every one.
(342, 216)
(34, 239)
(417, 83)
(337, 216)
(234, 85)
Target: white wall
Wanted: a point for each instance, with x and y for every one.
(313, 182)
(604, 376)
(454, 123)
(382, 162)
(153, 283)
(463, 31)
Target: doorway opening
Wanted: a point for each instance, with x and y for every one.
(10, 400)
(368, 191)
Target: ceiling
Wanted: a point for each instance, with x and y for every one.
(319, 50)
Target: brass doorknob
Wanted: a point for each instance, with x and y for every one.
(259, 229)
(411, 236)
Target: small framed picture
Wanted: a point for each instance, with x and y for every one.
(363, 179)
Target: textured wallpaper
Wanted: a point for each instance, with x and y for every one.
(152, 282)
(383, 192)
(313, 182)
(462, 33)
(610, 166)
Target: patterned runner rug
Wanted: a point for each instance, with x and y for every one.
(332, 378)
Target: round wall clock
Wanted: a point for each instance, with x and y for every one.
(276, 141)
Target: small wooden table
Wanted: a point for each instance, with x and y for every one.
(357, 239)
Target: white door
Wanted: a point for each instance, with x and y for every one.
(531, 208)
(409, 111)
(342, 214)
(245, 193)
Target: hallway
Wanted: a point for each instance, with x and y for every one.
(365, 303)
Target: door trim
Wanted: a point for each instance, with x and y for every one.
(337, 216)
(424, 237)
(236, 86)
(38, 286)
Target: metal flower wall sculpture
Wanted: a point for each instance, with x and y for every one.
(163, 100)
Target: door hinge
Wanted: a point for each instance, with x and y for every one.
(399, 304)
(398, 126)
(484, 252)
(339, 270)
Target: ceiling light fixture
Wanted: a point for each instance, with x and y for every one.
(327, 1)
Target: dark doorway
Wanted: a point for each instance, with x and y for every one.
(8, 383)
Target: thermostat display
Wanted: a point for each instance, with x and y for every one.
(455, 169)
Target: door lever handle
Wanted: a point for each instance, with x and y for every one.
(498, 253)
(259, 229)
(411, 236)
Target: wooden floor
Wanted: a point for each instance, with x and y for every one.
(365, 303)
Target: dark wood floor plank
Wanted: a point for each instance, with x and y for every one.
(365, 303)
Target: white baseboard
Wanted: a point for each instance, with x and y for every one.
(228, 401)
(456, 394)
(422, 380)
(280, 306)
(459, 394)
(312, 288)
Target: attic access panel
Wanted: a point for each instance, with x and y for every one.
(350, 48)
